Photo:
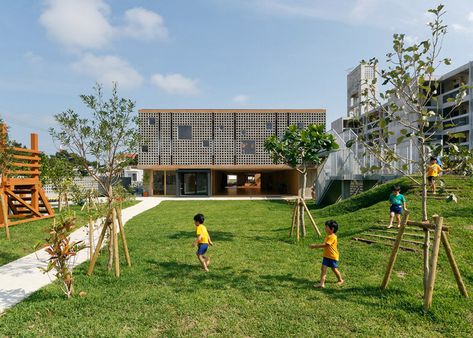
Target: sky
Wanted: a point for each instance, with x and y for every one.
(200, 53)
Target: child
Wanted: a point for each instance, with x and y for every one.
(330, 254)
(398, 202)
(433, 171)
(202, 242)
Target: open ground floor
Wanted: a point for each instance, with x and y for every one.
(253, 181)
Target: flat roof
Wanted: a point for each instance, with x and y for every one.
(232, 111)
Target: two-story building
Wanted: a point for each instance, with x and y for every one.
(191, 152)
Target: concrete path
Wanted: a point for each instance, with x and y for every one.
(22, 277)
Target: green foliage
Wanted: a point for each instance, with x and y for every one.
(105, 138)
(6, 153)
(411, 87)
(58, 172)
(459, 160)
(61, 249)
(301, 148)
(78, 194)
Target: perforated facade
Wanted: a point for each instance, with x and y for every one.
(220, 139)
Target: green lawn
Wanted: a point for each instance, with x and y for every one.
(260, 283)
(24, 236)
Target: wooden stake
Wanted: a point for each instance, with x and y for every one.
(98, 247)
(392, 258)
(426, 257)
(5, 214)
(312, 220)
(293, 224)
(91, 238)
(453, 264)
(115, 243)
(123, 237)
(433, 263)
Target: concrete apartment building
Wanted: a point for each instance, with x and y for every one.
(206, 152)
(457, 121)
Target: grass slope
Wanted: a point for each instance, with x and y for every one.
(260, 282)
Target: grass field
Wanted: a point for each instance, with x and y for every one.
(261, 282)
(25, 236)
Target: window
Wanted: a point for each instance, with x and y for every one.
(184, 132)
(269, 126)
(300, 125)
(134, 177)
(206, 143)
(248, 147)
(152, 121)
(144, 148)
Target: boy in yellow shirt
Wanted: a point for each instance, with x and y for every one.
(330, 254)
(202, 241)
(433, 170)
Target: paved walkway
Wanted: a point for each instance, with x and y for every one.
(22, 277)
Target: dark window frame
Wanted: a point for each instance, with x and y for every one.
(183, 132)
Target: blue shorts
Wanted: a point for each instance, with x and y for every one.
(202, 248)
(331, 263)
(396, 208)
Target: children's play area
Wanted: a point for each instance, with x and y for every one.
(261, 280)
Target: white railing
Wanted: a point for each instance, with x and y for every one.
(346, 163)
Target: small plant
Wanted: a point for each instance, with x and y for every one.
(61, 249)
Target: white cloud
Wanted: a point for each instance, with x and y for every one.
(470, 16)
(78, 24)
(85, 24)
(108, 69)
(400, 15)
(175, 84)
(410, 39)
(144, 24)
(241, 99)
(32, 58)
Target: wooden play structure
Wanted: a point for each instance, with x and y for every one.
(440, 232)
(22, 197)
(296, 219)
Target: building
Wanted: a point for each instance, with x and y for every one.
(457, 125)
(343, 171)
(188, 152)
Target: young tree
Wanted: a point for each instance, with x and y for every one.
(61, 249)
(60, 173)
(103, 138)
(409, 102)
(301, 149)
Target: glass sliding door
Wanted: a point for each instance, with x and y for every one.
(171, 183)
(194, 183)
(158, 183)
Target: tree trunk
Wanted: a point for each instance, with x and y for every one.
(423, 169)
(59, 205)
(302, 212)
(66, 200)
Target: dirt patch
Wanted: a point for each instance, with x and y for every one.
(469, 227)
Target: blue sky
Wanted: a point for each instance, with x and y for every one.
(199, 53)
